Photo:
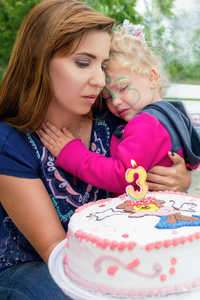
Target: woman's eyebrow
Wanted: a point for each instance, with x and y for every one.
(91, 55)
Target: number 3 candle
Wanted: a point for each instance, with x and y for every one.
(141, 181)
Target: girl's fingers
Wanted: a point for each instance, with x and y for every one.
(52, 130)
(44, 135)
(67, 133)
(46, 144)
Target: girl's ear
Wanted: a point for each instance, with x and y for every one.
(153, 78)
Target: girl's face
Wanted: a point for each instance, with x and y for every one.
(78, 79)
(127, 94)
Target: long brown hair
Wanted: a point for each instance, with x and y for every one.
(52, 26)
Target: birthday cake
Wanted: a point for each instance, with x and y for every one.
(124, 247)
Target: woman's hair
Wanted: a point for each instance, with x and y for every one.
(51, 27)
(133, 53)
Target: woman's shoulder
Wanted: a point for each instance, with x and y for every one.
(17, 156)
(10, 136)
(5, 129)
(8, 133)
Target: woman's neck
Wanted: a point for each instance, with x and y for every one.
(79, 125)
(62, 118)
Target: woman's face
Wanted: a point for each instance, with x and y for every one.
(78, 79)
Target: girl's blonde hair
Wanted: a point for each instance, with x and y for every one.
(51, 27)
(134, 54)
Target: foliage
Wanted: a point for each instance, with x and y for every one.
(164, 7)
(176, 38)
(117, 9)
(12, 13)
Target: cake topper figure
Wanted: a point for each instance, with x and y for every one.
(141, 181)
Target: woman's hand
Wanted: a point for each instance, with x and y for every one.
(176, 178)
(53, 138)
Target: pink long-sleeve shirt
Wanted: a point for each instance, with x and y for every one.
(145, 140)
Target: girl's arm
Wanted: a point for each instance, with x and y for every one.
(109, 173)
(29, 206)
(175, 178)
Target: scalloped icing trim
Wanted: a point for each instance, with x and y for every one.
(133, 292)
(103, 243)
(86, 205)
(175, 193)
(173, 242)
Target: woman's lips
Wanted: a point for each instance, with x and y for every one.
(91, 98)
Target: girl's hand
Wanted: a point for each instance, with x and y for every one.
(176, 178)
(53, 138)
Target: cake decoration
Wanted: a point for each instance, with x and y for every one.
(131, 267)
(140, 182)
(170, 216)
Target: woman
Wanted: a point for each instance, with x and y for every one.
(55, 73)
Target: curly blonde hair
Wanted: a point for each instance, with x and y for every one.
(134, 54)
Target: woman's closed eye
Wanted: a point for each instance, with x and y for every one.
(82, 64)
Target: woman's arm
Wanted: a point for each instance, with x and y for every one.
(175, 178)
(29, 206)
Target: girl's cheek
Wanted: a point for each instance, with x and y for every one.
(132, 96)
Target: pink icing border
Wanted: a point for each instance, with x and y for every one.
(133, 292)
(176, 193)
(103, 243)
(86, 205)
(174, 241)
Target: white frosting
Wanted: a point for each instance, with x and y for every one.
(123, 253)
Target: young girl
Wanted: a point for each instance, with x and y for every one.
(135, 85)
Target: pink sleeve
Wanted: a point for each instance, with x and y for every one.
(145, 140)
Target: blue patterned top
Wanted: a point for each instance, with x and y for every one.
(23, 155)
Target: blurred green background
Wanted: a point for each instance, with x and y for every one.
(171, 28)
